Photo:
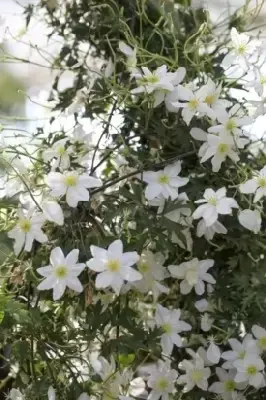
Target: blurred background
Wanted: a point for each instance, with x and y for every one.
(24, 87)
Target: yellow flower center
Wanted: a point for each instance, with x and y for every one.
(262, 181)
(263, 80)
(167, 328)
(223, 148)
(193, 104)
(262, 342)
(252, 370)
(113, 265)
(210, 99)
(231, 124)
(164, 179)
(61, 150)
(212, 201)
(196, 375)
(152, 79)
(229, 385)
(144, 267)
(25, 225)
(61, 271)
(162, 384)
(71, 180)
(242, 49)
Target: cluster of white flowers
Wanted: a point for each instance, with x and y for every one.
(68, 182)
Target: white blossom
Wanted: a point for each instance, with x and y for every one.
(164, 182)
(192, 103)
(153, 273)
(61, 273)
(193, 274)
(256, 185)
(202, 305)
(72, 184)
(226, 386)
(260, 335)
(60, 152)
(28, 228)
(250, 219)
(169, 322)
(231, 123)
(162, 381)
(241, 50)
(196, 374)
(239, 351)
(209, 231)
(206, 322)
(114, 266)
(213, 353)
(131, 55)
(215, 203)
(249, 370)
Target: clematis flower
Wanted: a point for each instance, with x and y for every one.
(260, 335)
(226, 387)
(114, 266)
(250, 219)
(239, 351)
(60, 152)
(149, 82)
(62, 272)
(255, 185)
(72, 184)
(131, 55)
(193, 274)
(162, 381)
(192, 102)
(165, 182)
(27, 229)
(250, 370)
(230, 123)
(215, 203)
(171, 325)
(240, 51)
(209, 231)
(196, 374)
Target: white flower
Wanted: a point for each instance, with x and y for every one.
(195, 374)
(213, 353)
(209, 231)
(259, 80)
(249, 370)
(215, 203)
(226, 387)
(169, 321)
(61, 273)
(162, 381)
(72, 184)
(255, 185)
(239, 350)
(230, 123)
(17, 174)
(260, 335)
(250, 220)
(109, 68)
(220, 147)
(80, 137)
(201, 305)
(52, 211)
(153, 272)
(165, 182)
(27, 229)
(212, 99)
(193, 274)
(206, 322)
(149, 82)
(114, 266)
(60, 152)
(131, 55)
(192, 103)
(173, 96)
(241, 50)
